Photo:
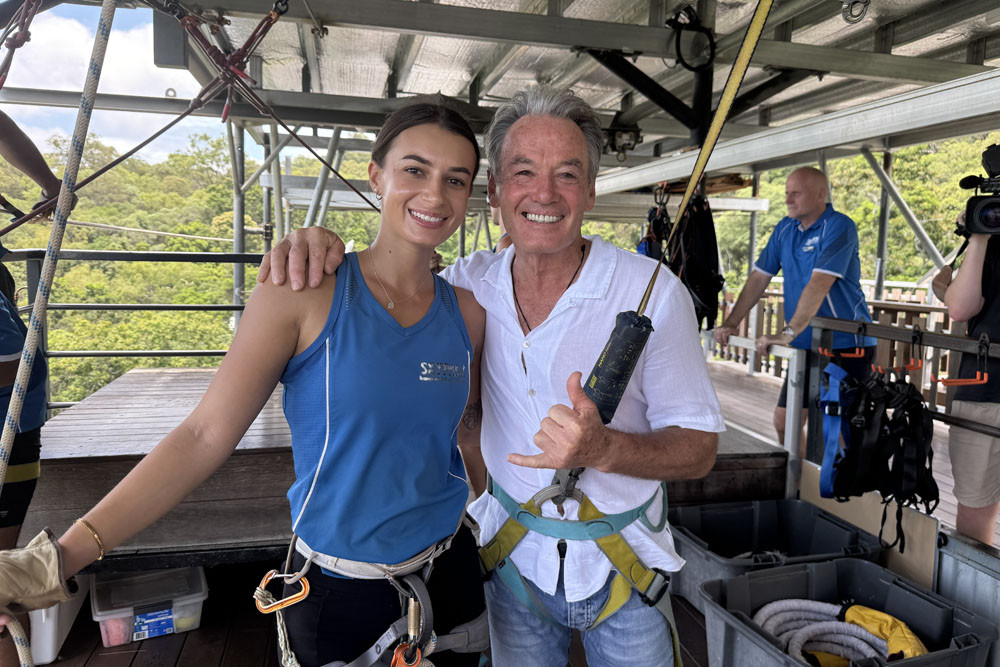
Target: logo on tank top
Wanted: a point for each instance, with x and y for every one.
(437, 371)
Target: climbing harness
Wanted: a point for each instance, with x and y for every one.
(413, 634)
(887, 431)
(10, 209)
(694, 258)
(854, 632)
(605, 387)
(20, 21)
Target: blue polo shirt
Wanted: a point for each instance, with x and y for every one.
(12, 335)
(830, 246)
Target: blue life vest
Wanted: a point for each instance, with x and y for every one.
(374, 410)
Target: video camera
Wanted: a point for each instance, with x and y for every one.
(982, 212)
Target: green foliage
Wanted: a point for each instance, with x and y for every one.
(190, 193)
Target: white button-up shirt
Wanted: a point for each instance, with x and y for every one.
(670, 387)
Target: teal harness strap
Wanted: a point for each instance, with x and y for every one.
(582, 530)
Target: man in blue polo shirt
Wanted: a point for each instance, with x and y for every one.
(816, 249)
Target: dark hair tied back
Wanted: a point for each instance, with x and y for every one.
(422, 113)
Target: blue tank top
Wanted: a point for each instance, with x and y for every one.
(374, 408)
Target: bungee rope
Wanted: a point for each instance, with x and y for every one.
(21, 21)
(48, 271)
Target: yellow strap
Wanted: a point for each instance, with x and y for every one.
(502, 544)
(621, 591)
(24, 472)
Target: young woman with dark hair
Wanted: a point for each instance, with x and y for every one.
(377, 366)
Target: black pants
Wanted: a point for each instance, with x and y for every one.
(22, 477)
(341, 618)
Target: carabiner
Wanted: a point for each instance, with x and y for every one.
(277, 605)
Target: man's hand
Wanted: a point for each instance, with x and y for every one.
(322, 248)
(722, 334)
(764, 342)
(569, 437)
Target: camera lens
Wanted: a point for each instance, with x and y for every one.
(988, 215)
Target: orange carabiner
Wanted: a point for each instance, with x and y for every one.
(278, 605)
(399, 657)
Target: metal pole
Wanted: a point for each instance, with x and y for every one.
(752, 247)
(821, 158)
(883, 231)
(324, 175)
(239, 165)
(268, 159)
(324, 204)
(461, 239)
(276, 181)
(479, 226)
(286, 203)
(925, 241)
(793, 421)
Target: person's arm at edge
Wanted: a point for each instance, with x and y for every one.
(23, 155)
(189, 454)
(964, 297)
(754, 288)
(472, 418)
(315, 249)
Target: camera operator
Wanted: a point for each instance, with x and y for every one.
(974, 295)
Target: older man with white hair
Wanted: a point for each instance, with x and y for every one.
(551, 302)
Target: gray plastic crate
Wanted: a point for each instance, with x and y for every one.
(954, 636)
(725, 540)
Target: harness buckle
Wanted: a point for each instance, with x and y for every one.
(833, 409)
(654, 593)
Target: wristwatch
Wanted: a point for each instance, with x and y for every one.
(788, 331)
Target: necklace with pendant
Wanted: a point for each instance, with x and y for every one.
(392, 304)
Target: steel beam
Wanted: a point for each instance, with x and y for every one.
(918, 229)
(324, 205)
(307, 39)
(268, 159)
(324, 175)
(279, 199)
(882, 246)
(405, 17)
(500, 60)
(946, 103)
(407, 50)
(645, 85)
(674, 79)
(237, 161)
(856, 64)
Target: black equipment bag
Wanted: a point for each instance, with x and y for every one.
(864, 464)
(693, 255)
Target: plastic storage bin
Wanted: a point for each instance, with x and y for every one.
(725, 540)
(141, 605)
(954, 636)
(49, 627)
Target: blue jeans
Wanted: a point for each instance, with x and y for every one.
(636, 635)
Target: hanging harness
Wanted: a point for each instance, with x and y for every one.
(888, 453)
(694, 258)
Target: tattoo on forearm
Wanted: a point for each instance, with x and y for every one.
(473, 416)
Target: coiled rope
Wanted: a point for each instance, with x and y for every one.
(48, 271)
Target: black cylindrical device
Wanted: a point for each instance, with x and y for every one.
(607, 382)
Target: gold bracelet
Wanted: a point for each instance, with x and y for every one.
(97, 538)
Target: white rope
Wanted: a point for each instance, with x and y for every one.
(49, 269)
